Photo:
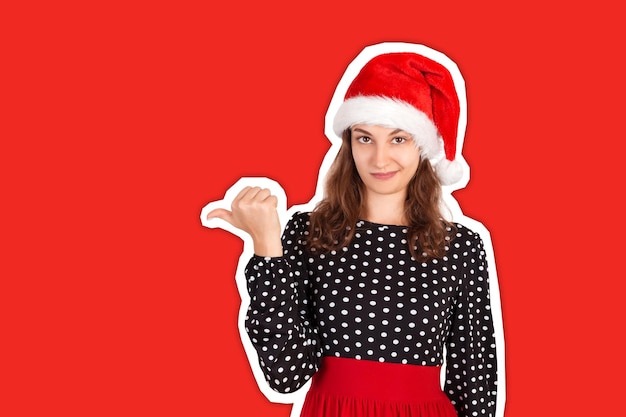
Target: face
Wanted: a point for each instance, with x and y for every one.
(386, 159)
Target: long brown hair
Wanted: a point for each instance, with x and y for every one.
(333, 219)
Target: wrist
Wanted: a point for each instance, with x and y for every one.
(272, 249)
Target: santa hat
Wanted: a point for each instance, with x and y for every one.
(408, 91)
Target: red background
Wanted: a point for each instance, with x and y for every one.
(119, 122)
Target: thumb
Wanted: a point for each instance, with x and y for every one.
(220, 213)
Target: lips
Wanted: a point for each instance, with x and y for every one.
(383, 175)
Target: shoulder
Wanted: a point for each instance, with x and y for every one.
(298, 223)
(296, 232)
(299, 219)
(463, 231)
(465, 238)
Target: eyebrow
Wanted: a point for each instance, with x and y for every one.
(396, 132)
(361, 130)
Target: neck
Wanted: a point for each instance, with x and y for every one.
(385, 208)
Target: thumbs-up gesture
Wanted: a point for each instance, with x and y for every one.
(254, 211)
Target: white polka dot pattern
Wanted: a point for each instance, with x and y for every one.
(372, 301)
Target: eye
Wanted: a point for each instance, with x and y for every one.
(364, 139)
(399, 140)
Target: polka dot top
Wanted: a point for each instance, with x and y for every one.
(372, 301)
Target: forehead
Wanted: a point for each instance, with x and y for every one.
(377, 130)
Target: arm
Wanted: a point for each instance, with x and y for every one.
(279, 321)
(471, 349)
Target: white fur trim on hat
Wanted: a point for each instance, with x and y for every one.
(393, 113)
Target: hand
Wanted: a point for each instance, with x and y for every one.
(254, 211)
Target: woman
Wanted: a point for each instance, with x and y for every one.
(369, 292)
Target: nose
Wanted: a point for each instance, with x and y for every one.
(381, 156)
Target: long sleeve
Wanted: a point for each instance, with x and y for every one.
(471, 350)
(279, 321)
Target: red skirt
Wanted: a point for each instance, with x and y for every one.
(360, 388)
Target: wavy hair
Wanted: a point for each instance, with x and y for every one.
(332, 220)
